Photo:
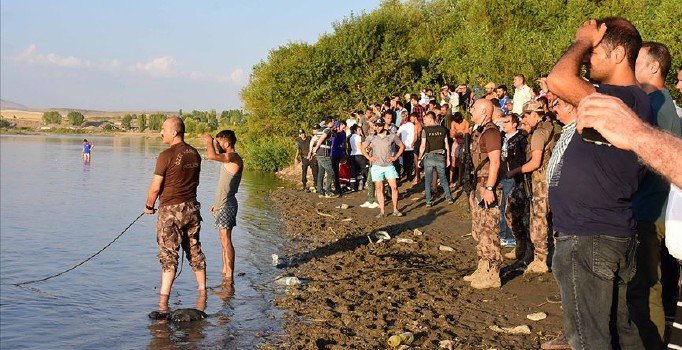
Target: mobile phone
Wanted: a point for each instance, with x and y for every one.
(593, 136)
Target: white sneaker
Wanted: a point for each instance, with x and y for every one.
(365, 205)
(373, 205)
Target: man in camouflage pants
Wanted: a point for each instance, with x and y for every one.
(175, 182)
(485, 213)
(542, 139)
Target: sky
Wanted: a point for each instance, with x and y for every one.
(123, 55)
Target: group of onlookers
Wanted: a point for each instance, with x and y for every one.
(537, 185)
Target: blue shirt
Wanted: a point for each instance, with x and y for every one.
(86, 147)
(503, 101)
(596, 183)
(338, 145)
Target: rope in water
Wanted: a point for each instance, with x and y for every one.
(82, 262)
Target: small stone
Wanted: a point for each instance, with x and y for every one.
(416, 232)
(446, 248)
(537, 316)
(406, 240)
(446, 344)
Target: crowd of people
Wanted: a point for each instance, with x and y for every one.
(573, 202)
(574, 177)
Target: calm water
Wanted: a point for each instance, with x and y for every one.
(57, 211)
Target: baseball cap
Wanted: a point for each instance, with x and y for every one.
(532, 106)
(490, 85)
(380, 122)
(337, 124)
(301, 131)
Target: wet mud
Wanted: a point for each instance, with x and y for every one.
(357, 292)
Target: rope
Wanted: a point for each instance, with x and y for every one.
(82, 262)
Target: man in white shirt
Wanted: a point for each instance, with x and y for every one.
(522, 94)
(406, 132)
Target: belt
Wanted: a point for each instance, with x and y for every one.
(439, 151)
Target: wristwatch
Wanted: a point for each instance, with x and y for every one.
(148, 207)
(489, 188)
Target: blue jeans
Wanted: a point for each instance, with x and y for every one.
(593, 273)
(324, 165)
(505, 232)
(437, 161)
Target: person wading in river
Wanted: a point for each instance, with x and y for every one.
(175, 182)
(225, 207)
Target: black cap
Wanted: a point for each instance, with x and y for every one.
(380, 122)
(301, 131)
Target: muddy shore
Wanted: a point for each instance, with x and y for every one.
(358, 293)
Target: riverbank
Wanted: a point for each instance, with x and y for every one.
(360, 292)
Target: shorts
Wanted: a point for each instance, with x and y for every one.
(179, 225)
(381, 173)
(226, 215)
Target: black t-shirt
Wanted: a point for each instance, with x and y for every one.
(435, 137)
(303, 146)
(596, 183)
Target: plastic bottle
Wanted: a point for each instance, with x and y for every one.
(405, 338)
(289, 281)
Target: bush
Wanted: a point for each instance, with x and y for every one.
(155, 121)
(52, 117)
(269, 154)
(142, 122)
(5, 123)
(126, 121)
(108, 126)
(75, 118)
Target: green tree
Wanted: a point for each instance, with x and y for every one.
(52, 117)
(75, 118)
(142, 122)
(155, 121)
(212, 120)
(127, 119)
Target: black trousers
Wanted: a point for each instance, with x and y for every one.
(358, 169)
(305, 163)
(335, 166)
(408, 162)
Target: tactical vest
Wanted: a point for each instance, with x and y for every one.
(479, 158)
(541, 174)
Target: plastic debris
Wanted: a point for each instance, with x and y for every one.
(381, 236)
(406, 240)
(342, 206)
(522, 329)
(275, 259)
(446, 248)
(288, 281)
(416, 232)
(537, 316)
(405, 338)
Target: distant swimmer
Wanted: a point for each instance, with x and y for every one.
(225, 207)
(87, 147)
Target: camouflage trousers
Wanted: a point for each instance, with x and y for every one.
(179, 225)
(516, 213)
(539, 227)
(485, 228)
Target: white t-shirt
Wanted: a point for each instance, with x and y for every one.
(521, 96)
(673, 223)
(406, 132)
(355, 144)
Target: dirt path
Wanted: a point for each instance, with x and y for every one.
(359, 293)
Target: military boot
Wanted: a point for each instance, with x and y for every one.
(482, 267)
(539, 265)
(489, 279)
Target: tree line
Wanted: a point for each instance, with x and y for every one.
(404, 46)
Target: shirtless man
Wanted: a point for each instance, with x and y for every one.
(224, 209)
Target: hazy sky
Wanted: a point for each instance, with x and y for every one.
(149, 55)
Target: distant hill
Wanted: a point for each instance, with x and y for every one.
(12, 105)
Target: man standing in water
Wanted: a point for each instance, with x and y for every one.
(87, 146)
(225, 207)
(175, 182)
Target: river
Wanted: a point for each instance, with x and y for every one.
(56, 210)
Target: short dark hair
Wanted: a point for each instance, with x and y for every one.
(229, 135)
(399, 103)
(503, 87)
(433, 115)
(414, 115)
(659, 53)
(514, 118)
(414, 97)
(620, 32)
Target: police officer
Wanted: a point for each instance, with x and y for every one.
(542, 138)
(485, 214)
